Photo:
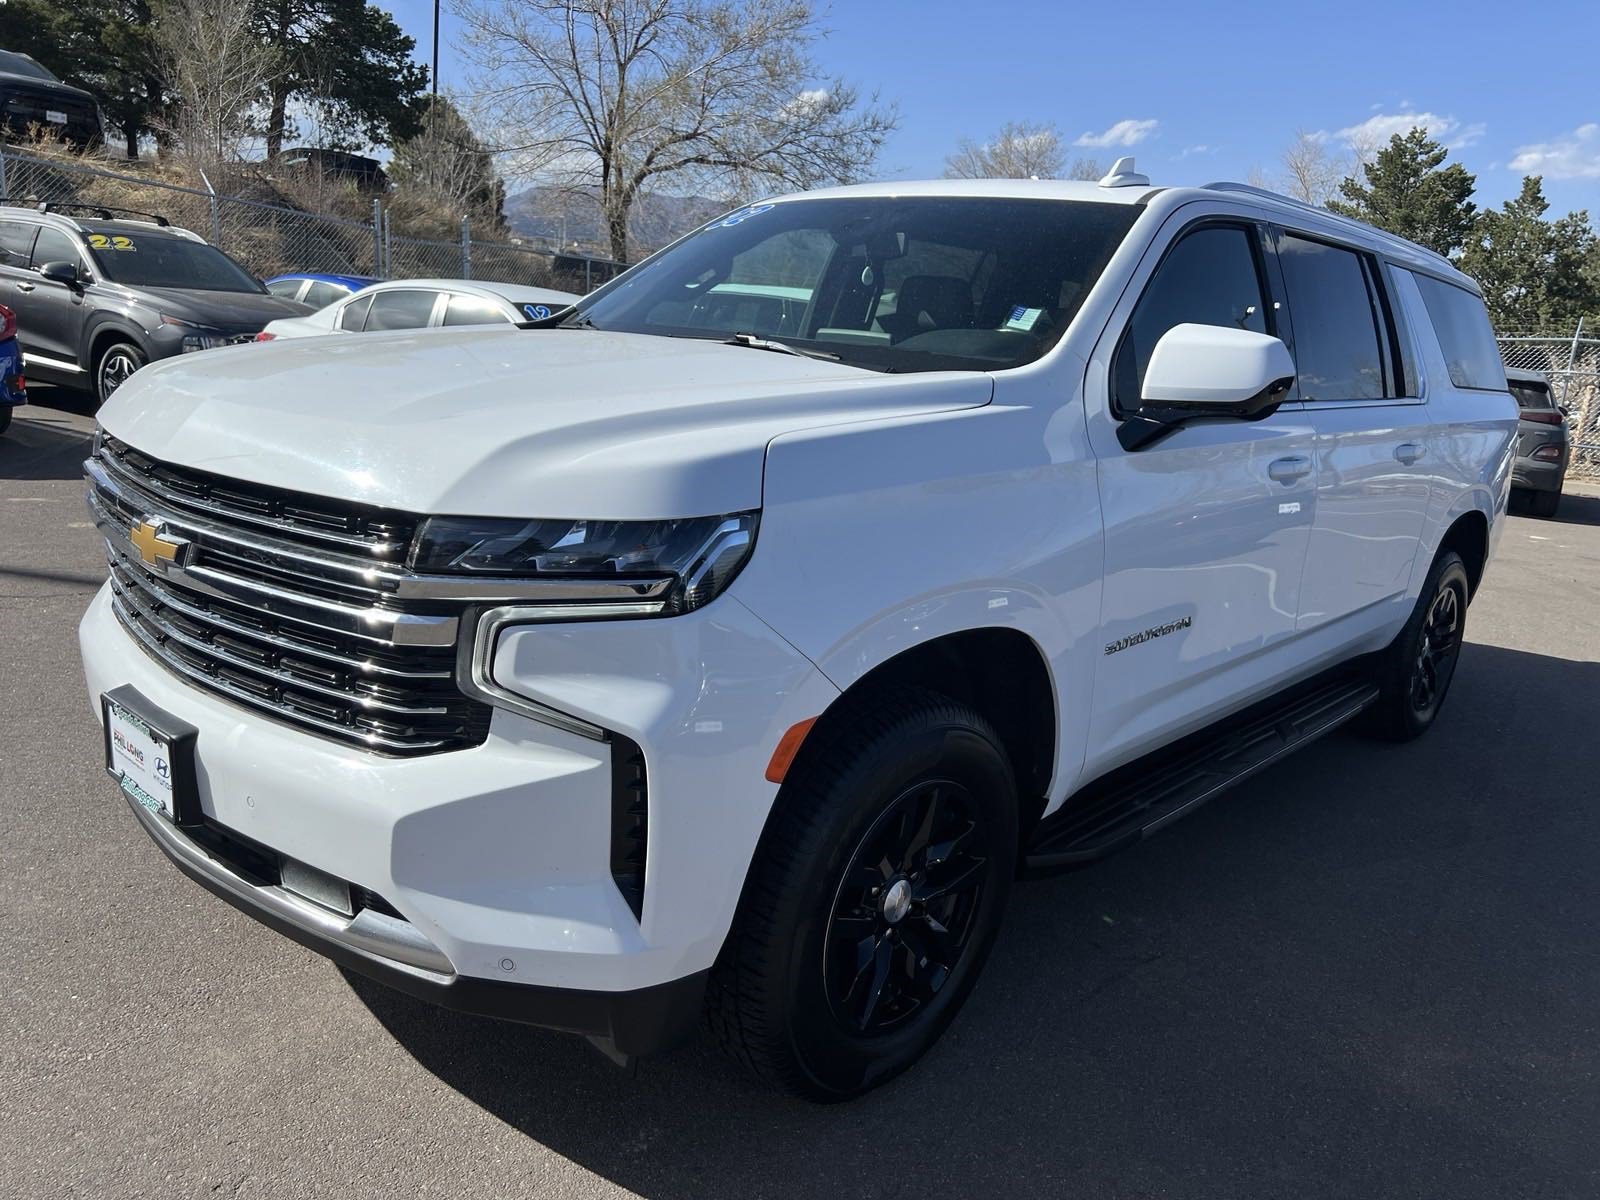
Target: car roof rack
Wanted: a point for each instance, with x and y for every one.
(103, 212)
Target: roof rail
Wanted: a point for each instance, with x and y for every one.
(103, 212)
(1251, 189)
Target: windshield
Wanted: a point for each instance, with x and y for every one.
(21, 64)
(886, 283)
(140, 259)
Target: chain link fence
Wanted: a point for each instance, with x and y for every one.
(271, 238)
(1571, 361)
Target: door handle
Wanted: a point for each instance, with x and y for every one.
(1287, 470)
(25, 287)
(1408, 452)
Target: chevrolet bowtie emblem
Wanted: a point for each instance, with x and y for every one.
(154, 547)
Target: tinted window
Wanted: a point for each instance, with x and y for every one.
(1338, 352)
(142, 259)
(405, 309)
(354, 314)
(287, 288)
(1530, 394)
(1208, 278)
(902, 283)
(1465, 335)
(55, 246)
(470, 310)
(16, 243)
(320, 294)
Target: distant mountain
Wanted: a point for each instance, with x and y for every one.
(562, 216)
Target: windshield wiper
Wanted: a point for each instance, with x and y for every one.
(760, 343)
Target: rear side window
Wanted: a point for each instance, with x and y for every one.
(404, 309)
(354, 314)
(16, 243)
(1209, 277)
(1530, 394)
(1339, 329)
(1465, 335)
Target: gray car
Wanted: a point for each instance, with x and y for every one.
(1544, 443)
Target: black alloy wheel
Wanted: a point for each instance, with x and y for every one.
(904, 913)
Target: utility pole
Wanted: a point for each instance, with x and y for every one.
(435, 77)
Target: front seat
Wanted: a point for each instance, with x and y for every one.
(929, 302)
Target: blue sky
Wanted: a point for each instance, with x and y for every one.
(1202, 92)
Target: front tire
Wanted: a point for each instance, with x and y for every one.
(5, 417)
(119, 361)
(1414, 673)
(873, 899)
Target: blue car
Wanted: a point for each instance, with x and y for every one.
(13, 389)
(317, 289)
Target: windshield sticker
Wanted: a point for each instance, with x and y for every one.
(1023, 319)
(99, 241)
(740, 217)
(536, 312)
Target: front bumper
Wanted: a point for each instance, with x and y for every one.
(498, 857)
(642, 1021)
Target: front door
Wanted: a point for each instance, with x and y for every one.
(55, 312)
(1205, 529)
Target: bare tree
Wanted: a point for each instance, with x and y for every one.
(1312, 172)
(1021, 150)
(1088, 169)
(620, 96)
(212, 61)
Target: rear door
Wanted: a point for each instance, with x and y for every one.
(1360, 390)
(1205, 529)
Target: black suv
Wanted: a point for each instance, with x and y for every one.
(98, 296)
(33, 100)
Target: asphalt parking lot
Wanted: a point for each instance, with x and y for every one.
(1370, 971)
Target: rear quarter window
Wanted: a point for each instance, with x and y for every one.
(1461, 324)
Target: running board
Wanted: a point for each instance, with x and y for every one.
(1135, 801)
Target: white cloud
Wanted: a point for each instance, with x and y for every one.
(1123, 133)
(1377, 130)
(1574, 155)
(1468, 135)
(1188, 150)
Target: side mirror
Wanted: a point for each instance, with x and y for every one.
(1208, 371)
(60, 272)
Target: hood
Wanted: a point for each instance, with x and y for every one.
(231, 312)
(507, 422)
(31, 85)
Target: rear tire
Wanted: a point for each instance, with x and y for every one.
(5, 417)
(873, 898)
(117, 363)
(1414, 673)
(1544, 504)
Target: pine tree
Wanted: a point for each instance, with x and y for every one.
(1409, 191)
(1534, 273)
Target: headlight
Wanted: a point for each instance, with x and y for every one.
(201, 339)
(698, 555)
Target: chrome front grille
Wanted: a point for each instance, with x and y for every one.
(296, 606)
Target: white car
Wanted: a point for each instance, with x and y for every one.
(657, 659)
(424, 304)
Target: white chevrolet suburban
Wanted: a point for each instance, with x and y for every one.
(727, 644)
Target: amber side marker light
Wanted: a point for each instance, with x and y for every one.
(788, 747)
